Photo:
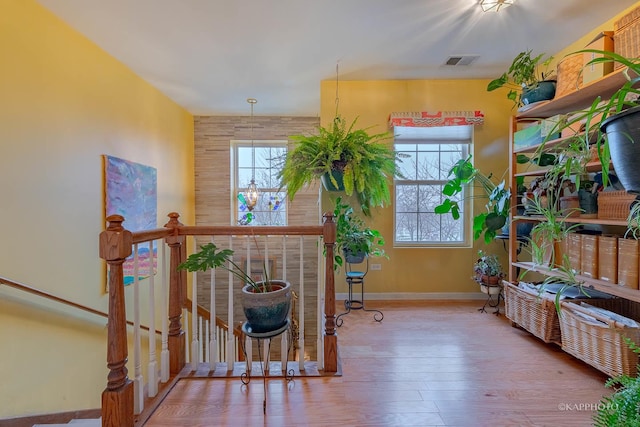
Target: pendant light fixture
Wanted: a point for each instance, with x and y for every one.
(251, 195)
(495, 5)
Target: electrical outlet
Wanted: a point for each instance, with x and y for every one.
(376, 266)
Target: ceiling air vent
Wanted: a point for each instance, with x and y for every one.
(459, 60)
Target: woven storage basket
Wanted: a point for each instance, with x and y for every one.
(626, 36)
(628, 263)
(614, 204)
(569, 77)
(608, 258)
(537, 315)
(589, 256)
(601, 346)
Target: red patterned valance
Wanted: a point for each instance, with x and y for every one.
(436, 118)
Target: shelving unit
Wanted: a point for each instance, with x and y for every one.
(577, 100)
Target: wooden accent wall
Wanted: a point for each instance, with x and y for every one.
(212, 138)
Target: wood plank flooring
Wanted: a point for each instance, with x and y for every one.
(429, 363)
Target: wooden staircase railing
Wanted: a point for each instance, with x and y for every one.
(116, 245)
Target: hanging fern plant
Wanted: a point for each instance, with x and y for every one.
(366, 162)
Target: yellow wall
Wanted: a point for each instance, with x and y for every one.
(64, 103)
(424, 270)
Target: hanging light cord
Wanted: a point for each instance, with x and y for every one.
(253, 150)
(337, 98)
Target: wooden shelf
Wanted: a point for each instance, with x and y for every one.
(582, 98)
(610, 288)
(574, 220)
(548, 145)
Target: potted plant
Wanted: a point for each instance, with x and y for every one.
(620, 409)
(527, 79)
(488, 272)
(488, 223)
(265, 303)
(353, 236)
(612, 124)
(343, 158)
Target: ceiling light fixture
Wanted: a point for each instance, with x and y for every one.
(251, 195)
(495, 5)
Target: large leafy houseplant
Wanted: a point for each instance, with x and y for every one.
(364, 161)
(622, 408)
(488, 223)
(353, 235)
(526, 73)
(266, 303)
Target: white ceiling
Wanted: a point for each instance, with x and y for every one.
(211, 55)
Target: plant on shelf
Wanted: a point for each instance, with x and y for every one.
(612, 124)
(353, 236)
(620, 409)
(487, 269)
(550, 228)
(488, 223)
(266, 303)
(343, 158)
(633, 221)
(527, 79)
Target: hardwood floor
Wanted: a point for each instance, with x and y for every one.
(429, 363)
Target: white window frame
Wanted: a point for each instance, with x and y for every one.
(237, 186)
(445, 135)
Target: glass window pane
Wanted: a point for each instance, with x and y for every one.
(271, 206)
(432, 153)
(428, 166)
(406, 227)
(406, 198)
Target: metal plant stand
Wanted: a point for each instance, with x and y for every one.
(352, 304)
(493, 300)
(259, 336)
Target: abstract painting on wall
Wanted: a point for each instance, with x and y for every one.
(131, 191)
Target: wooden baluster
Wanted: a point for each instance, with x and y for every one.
(330, 336)
(164, 355)
(177, 281)
(152, 369)
(117, 398)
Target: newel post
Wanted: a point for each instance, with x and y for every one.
(117, 398)
(177, 294)
(330, 335)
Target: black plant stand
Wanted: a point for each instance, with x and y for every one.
(259, 336)
(493, 300)
(352, 304)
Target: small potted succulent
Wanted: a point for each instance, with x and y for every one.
(488, 272)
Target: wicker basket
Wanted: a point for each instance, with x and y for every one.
(601, 346)
(628, 263)
(614, 204)
(626, 36)
(589, 256)
(608, 259)
(569, 75)
(536, 315)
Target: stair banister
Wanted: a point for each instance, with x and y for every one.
(177, 294)
(117, 398)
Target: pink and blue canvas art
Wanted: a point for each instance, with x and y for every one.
(131, 191)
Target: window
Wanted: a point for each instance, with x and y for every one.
(271, 208)
(430, 154)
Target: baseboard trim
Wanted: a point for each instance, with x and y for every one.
(57, 418)
(412, 296)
